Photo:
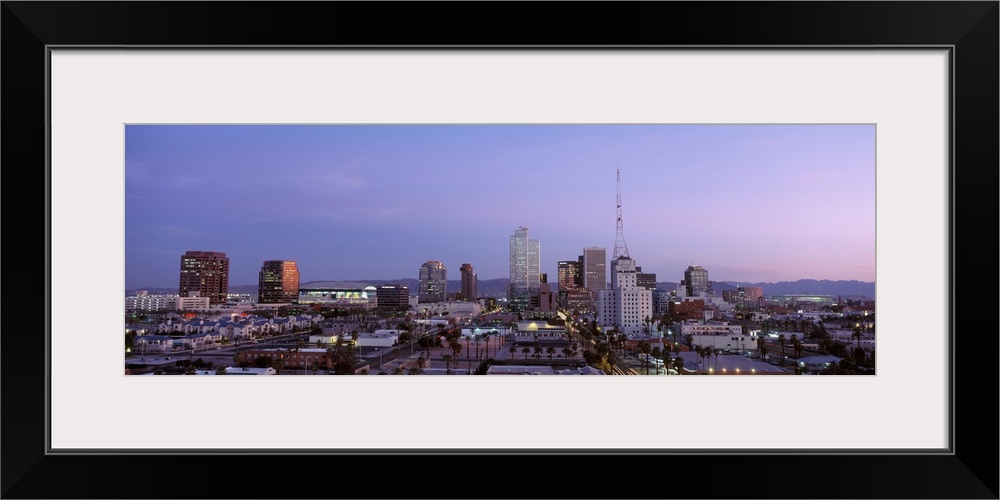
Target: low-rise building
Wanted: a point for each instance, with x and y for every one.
(193, 303)
(729, 364)
(816, 364)
(519, 370)
(323, 339)
(721, 328)
(144, 302)
(338, 294)
(291, 358)
(378, 338)
(455, 309)
(540, 370)
(540, 329)
(153, 343)
(202, 339)
(235, 370)
(737, 342)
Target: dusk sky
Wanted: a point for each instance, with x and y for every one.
(750, 203)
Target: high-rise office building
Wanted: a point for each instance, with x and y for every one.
(572, 295)
(525, 269)
(206, 273)
(594, 271)
(568, 274)
(433, 279)
(278, 282)
(696, 280)
(469, 284)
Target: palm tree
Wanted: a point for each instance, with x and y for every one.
(706, 352)
(550, 351)
(698, 349)
(644, 349)
(447, 358)
(658, 354)
(678, 364)
(425, 341)
(566, 352)
(602, 353)
(781, 340)
(538, 351)
(857, 335)
(525, 350)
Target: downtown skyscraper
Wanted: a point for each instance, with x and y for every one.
(278, 282)
(695, 280)
(469, 283)
(433, 278)
(205, 274)
(593, 270)
(525, 269)
(568, 274)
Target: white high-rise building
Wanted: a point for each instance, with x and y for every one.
(525, 269)
(625, 305)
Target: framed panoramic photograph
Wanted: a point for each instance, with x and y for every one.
(600, 314)
(386, 228)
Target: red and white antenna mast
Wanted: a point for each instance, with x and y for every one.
(621, 249)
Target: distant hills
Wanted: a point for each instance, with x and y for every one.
(846, 288)
(497, 287)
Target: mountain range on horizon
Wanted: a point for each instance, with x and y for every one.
(498, 286)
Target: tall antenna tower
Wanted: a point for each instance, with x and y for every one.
(621, 249)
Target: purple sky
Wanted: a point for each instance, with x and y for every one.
(752, 203)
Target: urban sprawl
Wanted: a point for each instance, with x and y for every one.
(582, 324)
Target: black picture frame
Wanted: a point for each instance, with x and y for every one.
(970, 28)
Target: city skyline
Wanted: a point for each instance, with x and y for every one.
(751, 203)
